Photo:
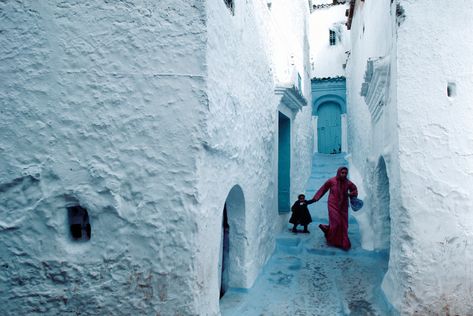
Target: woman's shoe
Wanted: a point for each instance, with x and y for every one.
(324, 228)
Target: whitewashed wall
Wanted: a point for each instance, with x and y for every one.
(147, 114)
(368, 140)
(102, 103)
(327, 60)
(423, 137)
(435, 150)
(290, 28)
(241, 132)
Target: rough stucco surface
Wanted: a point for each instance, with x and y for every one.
(96, 111)
(328, 60)
(435, 148)
(423, 137)
(374, 144)
(374, 147)
(147, 114)
(371, 141)
(241, 139)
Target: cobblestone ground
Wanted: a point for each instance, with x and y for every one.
(306, 277)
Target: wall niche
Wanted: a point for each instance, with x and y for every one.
(79, 224)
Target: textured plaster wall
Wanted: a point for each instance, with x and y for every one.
(147, 114)
(102, 104)
(373, 144)
(424, 139)
(241, 136)
(370, 140)
(293, 18)
(328, 60)
(435, 150)
(288, 22)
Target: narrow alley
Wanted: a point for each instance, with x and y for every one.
(306, 277)
(151, 153)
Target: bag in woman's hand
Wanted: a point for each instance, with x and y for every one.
(356, 204)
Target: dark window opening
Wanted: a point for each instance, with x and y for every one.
(79, 223)
(333, 38)
(230, 5)
(451, 89)
(225, 253)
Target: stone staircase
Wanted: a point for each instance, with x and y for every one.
(324, 166)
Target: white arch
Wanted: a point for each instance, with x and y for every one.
(235, 207)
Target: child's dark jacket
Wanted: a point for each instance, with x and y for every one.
(300, 213)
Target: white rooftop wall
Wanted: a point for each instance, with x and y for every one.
(327, 60)
(289, 47)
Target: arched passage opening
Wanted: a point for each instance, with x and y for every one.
(381, 220)
(232, 242)
(329, 128)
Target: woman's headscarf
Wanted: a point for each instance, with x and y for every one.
(340, 183)
(339, 171)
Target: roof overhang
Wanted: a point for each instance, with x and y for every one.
(291, 97)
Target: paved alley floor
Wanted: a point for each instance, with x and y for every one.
(306, 277)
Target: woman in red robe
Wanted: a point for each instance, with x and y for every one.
(336, 232)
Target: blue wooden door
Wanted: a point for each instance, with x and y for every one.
(284, 164)
(329, 128)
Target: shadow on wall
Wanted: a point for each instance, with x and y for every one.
(380, 201)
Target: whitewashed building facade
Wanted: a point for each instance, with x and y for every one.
(127, 129)
(409, 92)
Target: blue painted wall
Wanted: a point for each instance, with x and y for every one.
(329, 89)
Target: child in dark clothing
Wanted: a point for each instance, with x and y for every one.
(300, 213)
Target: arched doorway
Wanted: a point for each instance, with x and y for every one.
(232, 242)
(381, 220)
(329, 128)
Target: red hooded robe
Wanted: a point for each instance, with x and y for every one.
(336, 232)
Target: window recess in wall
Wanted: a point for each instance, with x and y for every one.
(79, 224)
(230, 5)
(332, 38)
(451, 89)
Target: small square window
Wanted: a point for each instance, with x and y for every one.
(451, 89)
(79, 224)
